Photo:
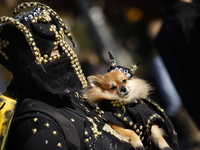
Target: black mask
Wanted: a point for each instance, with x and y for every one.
(28, 39)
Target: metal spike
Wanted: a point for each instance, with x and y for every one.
(134, 67)
(112, 60)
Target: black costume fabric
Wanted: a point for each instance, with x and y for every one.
(178, 44)
(37, 131)
(137, 116)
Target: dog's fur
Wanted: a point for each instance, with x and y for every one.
(116, 86)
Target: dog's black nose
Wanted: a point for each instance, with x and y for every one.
(123, 89)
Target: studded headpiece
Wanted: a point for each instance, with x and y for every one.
(26, 42)
(127, 71)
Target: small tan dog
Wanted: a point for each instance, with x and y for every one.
(116, 86)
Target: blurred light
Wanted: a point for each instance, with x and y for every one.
(133, 15)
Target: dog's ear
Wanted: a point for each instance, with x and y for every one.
(93, 81)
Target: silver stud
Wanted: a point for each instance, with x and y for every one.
(54, 132)
(34, 130)
(26, 18)
(30, 16)
(59, 145)
(35, 119)
(86, 140)
(47, 125)
(46, 141)
(73, 120)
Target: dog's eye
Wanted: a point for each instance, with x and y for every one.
(113, 88)
(124, 81)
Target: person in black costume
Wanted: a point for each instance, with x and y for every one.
(178, 45)
(47, 79)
